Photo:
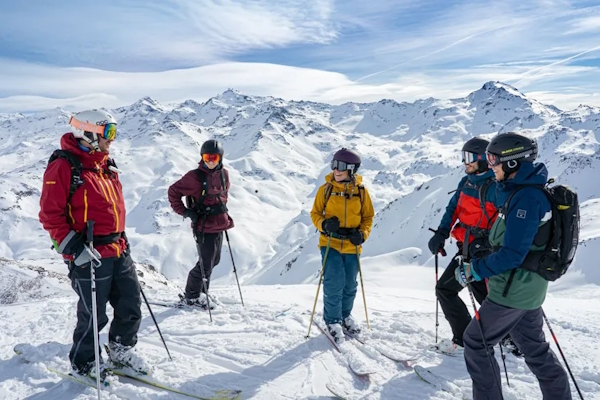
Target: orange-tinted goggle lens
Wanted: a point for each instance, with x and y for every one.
(211, 157)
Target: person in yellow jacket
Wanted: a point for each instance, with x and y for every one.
(343, 212)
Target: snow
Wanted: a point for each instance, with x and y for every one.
(277, 153)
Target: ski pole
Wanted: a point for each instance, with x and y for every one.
(319, 286)
(234, 269)
(93, 266)
(362, 287)
(437, 301)
(504, 362)
(477, 317)
(155, 323)
(561, 353)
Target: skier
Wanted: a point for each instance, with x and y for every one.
(471, 212)
(67, 203)
(343, 212)
(513, 304)
(206, 190)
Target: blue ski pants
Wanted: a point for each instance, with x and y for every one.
(339, 285)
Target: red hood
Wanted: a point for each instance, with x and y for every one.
(91, 159)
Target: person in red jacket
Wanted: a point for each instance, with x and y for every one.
(205, 189)
(66, 205)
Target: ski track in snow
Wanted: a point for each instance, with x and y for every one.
(263, 351)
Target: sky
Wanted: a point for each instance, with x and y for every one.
(79, 54)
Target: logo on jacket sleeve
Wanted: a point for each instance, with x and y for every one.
(521, 213)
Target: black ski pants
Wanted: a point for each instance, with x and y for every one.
(117, 283)
(526, 329)
(209, 256)
(455, 310)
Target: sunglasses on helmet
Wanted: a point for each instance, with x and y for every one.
(107, 131)
(211, 158)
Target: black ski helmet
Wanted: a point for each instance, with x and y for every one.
(511, 149)
(212, 146)
(346, 160)
(476, 147)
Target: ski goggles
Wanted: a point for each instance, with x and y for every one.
(107, 131)
(493, 160)
(342, 165)
(214, 158)
(468, 157)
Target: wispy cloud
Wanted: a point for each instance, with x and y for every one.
(117, 51)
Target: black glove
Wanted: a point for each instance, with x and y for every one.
(356, 238)
(72, 244)
(191, 214)
(331, 225)
(437, 241)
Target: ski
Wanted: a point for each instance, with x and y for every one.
(435, 348)
(437, 381)
(115, 372)
(362, 374)
(406, 362)
(146, 379)
(224, 394)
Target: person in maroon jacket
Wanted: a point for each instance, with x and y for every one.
(205, 189)
(66, 204)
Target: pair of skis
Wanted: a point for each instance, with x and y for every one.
(124, 373)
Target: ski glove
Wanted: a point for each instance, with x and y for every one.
(191, 214)
(356, 238)
(437, 241)
(331, 225)
(87, 255)
(465, 273)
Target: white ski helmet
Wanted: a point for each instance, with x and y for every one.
(87, 125)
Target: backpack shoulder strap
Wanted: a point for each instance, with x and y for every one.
(76, 169)
(223, 180)
(327, 194)
(202, 177)
(482, 194)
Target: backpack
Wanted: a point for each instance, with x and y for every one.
(197, 203)
(76, 169)
(554, 261)
(329, 192)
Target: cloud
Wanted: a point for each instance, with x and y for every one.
(116, 51)
(156, 34)
(78, 88)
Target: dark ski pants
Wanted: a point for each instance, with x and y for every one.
(339, 285)
(454, 308)
(526, 330)
(209, 256)
(117, 283)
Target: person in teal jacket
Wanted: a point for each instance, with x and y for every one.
(515, 294)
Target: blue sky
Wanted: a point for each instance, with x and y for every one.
(81, 53)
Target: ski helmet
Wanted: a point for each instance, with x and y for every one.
(212, 150)
(474, 150)
(89, 125)
(346, 160)
(511, 149)
(212, 147)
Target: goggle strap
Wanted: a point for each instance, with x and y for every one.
(86, 126)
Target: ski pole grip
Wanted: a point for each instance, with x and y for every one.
(90, 231)
(442, 250)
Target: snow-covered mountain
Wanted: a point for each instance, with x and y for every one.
(277, 152)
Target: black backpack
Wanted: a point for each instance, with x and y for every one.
(554, 261)
(76, 169)
(197, 203)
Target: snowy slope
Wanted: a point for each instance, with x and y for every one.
(277, 152)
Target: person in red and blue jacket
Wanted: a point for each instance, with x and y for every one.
(472, 208)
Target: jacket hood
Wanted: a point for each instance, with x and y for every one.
(330, 179)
